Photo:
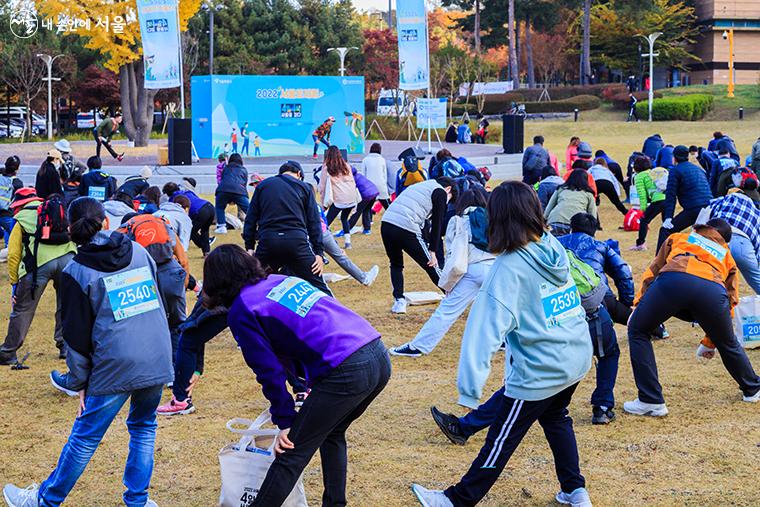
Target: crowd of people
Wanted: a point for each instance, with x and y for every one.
(524, 256)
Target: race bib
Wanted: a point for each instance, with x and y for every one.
(131, 293)
(708, 246)
(560, 303)
(98, 193)
(296, 295)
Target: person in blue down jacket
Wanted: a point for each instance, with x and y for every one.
(664, 157)
(652, 145)
(604, 260)
(687, 184)
(119, 349)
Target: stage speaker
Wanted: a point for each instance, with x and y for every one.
(513, 133)
(180, 141)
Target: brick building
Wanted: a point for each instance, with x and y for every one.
(717, 16)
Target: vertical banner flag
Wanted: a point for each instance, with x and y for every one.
(413, 57)
(160, 40)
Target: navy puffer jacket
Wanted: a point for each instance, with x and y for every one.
(605, 260)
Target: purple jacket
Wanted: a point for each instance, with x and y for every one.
(283, 324)
(366, 188)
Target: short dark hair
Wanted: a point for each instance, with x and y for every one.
(86, 217)
(468, 199)
(125, 198)
(538, 140)
(170, 188)
(584, 222)
(578, 180)
(291, 166)
(515, 217)
(717, 134)
(221, 158)
(581, 164)
(12, 164)
(235, 158)
(750, 184)
(445, 181)
(547, 171)
(375, 148)
(443, 153)
(182, 201)
(720, 225)
(153, 194)
(642, 164)
(226, 271)
(94, 163)
(693, 148)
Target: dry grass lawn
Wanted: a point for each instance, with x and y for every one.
(706, 452)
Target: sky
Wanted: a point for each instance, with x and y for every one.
(365, 5)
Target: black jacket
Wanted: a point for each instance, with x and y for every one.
(234, 180)
(98, 179)
(133, 186)
(283, 206)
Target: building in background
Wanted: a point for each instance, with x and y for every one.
(717, 16)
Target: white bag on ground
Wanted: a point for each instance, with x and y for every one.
(233, 222)
(422, 298)
(747, 322)
(457, 257)
(244, 464)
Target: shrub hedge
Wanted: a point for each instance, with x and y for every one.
(685, 108)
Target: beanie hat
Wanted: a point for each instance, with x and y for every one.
(146, 172)
(681, 153)
(584, 150)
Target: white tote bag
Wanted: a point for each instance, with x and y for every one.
(244, 464)
(455, 265)
(327, 199)
(747, 321)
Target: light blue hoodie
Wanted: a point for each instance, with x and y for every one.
(530, 299)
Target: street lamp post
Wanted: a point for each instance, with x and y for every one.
(49, 63)
(651, 38)
(342, 53)
(729, 34)
(211, 8)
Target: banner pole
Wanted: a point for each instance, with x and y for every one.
(181, 67)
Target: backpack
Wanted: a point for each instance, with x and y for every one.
(154, 233)
(52, 229)
(632, 219)
(479, 228)
(411, 172)
(6, 191)
(659, 176)
(589, 284)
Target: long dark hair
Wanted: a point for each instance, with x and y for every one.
(578, 180)
(515, 217)
(86, 217)
(334, 162)
(226, 271)
(468, 199)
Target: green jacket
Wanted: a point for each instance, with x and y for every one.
(647, 190)
(27, 220)
(106, 128)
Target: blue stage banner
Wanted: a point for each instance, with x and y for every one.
(413, 55)
(160, 41)
(276, 116)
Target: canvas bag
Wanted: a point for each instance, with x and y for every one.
(747, 322)
(327, 199)
(244, 464)
(457, 257)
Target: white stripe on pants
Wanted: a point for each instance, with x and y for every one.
(451, 307)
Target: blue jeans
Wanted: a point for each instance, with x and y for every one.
(6, 224)
(225, 198)
(86, 435)
(746, 260)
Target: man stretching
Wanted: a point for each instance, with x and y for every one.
(103, 134)
(322, 134)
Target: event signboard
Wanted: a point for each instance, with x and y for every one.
(432, 113)
(277, 115)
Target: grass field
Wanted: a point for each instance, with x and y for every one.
(706, 452)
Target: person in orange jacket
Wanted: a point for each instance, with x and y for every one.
(694, 277)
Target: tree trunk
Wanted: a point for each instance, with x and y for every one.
(136, 102)
(529, 54)
(512, 46)
(586, 51)
(476, 30)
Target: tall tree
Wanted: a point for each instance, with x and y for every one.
(513, 70)
(585, 70)
(121, 50)
(471, 20)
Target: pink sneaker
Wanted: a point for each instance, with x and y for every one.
(175, 407)
(638, 248)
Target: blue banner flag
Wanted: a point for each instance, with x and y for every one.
(160, 40)
(413, 57)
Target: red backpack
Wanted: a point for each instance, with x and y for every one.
(632, 219)
(154, 233)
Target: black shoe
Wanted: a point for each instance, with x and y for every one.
(602, 415)
(8, 360)
(449, 426)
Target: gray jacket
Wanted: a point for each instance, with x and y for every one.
(179, 220)
(113, 318)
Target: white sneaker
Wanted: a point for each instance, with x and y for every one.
(637, 407)
(150, 503)
(399, 306)
(431, 497)
(220, 229)
(578, 498)
(371, 275)
(17, 497)
(356, 230)
(752, 399)
(347, 242)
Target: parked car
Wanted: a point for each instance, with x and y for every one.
(38, 126)
(88, 120)
(16, 131)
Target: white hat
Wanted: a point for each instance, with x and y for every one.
(146, 172)
(63, 146)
